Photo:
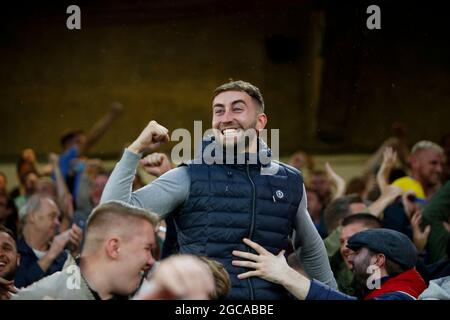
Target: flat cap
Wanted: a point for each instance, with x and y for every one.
(393, 244)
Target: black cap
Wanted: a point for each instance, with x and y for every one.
(393, 244)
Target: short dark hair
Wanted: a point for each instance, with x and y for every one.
(69, 136)
(366, 219)
(8, 231)
(243, 86)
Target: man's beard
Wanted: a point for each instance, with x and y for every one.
(240, 143)
(360, 276)
(359, 285)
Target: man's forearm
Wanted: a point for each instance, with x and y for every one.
(119, 185)
(46, 261)
(312, 255)
(297, 284)
(162, 196)
(99, 129)
(377, 207)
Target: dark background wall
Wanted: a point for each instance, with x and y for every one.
(330, 84)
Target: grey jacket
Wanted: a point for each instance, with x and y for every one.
(439, 289)
(67, 284)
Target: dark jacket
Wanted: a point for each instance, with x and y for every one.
(229, 202)
(29, 271)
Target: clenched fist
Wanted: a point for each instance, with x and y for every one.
(150, 138)
(156, 164)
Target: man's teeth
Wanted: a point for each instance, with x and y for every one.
(229, 131)
(2, 264)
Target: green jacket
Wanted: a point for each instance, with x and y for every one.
(434, 214)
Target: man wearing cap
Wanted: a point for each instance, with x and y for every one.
(382, 264)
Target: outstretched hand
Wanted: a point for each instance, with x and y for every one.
(420, 237)
(336, 180)
(266, 265)
(389, 161)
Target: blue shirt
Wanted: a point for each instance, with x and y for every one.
(69, 162)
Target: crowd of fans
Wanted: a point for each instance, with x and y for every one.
(53, 222)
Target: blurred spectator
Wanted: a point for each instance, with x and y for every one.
(90, 192)
(426, 161)
(28, 172)
(356, 185)
(46, 186)
(320, 182)
(9, 260)
(315, 210)
(27, 188)
(9, 257)
(26, 163)
(3, 183)
(398, 142)
(4, 210)
(437, 215)
(75, 144)
(303, 162)
(8, 213)
(342, 207)
(445, 144)
(42, 250)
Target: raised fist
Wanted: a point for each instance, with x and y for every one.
(156, 164)
(150, 138)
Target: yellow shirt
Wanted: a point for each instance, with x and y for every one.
(409, 184)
